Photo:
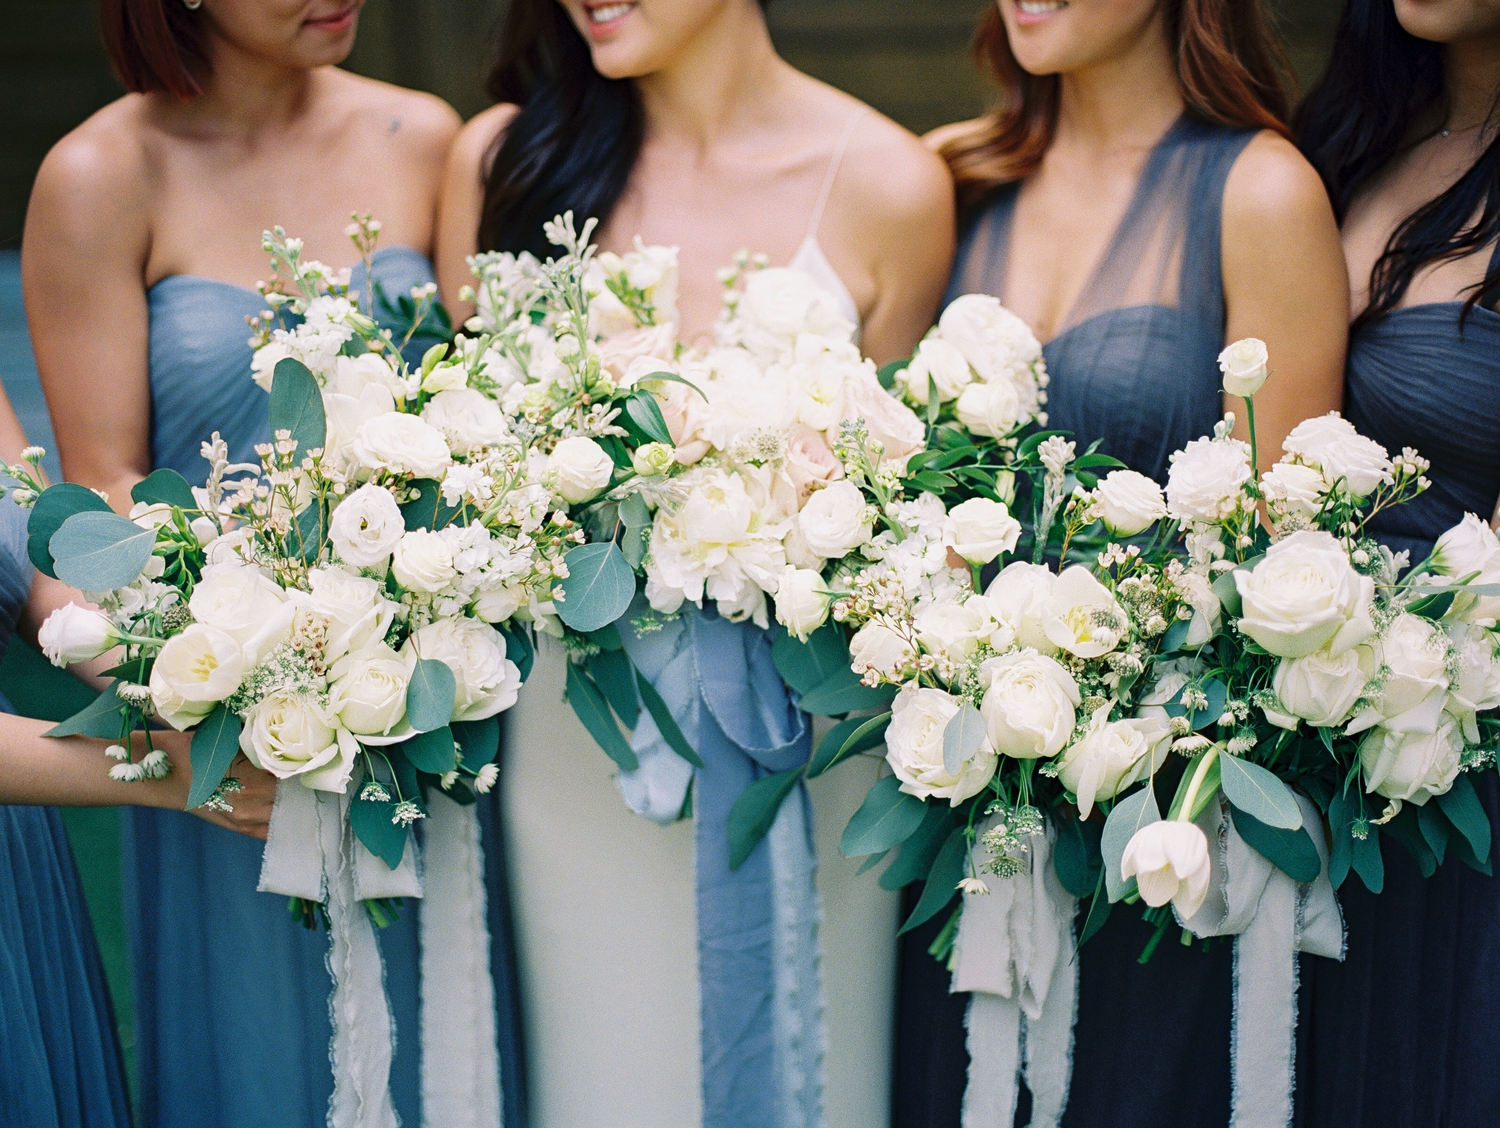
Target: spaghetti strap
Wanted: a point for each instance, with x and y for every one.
(833, 170)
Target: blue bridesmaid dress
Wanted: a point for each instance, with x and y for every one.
(59, 1058)
(231, 993)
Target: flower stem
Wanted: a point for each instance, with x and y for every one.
(1191, 798)
(1250, 422)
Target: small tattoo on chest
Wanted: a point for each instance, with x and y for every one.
(395, 125)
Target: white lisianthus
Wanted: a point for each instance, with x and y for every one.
(289, 735)
(1030, 704)
(366, 526)
(653, 459)
(423, 561)
(1305, 596)
(877, 647)
(1018, 598)
(1469, 547)
(1111, 755)
(993, 409)
(1331, 443)
(914, 748)
(76, 634)
(836, 520)
(1412, 766)
(937, 364)
(1207, 478)
(1244, 367)
(802, 601)
(403, 444)
(1321, 688)
(368, 696)
(979, 530)
(354, 608)
(1169, 861)
(468, 419)
(1412, 656)
(488, 682)
(1128, 503)
(1295, 488)
(193, 672)
(579, 469)
(1082, 616)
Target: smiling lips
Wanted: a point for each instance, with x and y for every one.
(337, 21)
(605, 17)
(1037, 11)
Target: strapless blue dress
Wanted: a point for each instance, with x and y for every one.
(59, 1056)
(231, 994)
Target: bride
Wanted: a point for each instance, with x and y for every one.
(676, 121)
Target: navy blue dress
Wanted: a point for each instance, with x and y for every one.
(1135, 365)
(59, 1056)
(1403, 1033)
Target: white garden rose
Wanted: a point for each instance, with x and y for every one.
(914, 748)
(1030, 704)
(1169, 861)
(993, 409)
(365, 526)
(1082, 616)
(76, 634)
(1018, 598)
(876, 647)
(1244, 365)
(1305, 596)
(1469, 547)
(937, 364)
(368, 696)
(1331, 443)
(1412, 766)
(652, 460)
(402, 444)
(579, 469)
(194, 671)
(802, 601)
(995, 342)
(1111, 756)
(810, 460)
(1207, 478)
(345, 416)
(423, 561)
(836, 520)
(290, 735)
(1128, 503)
(468, 419)
(1476, 683)
(497, 604)
(890, 422)
(1412, 656)
(488, 681)
(954, 630)
(1297, 489)
(237, 599)
(354, 609)
(1322, 688)
(979, 530)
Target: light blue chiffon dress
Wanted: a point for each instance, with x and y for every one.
(231, 993)
(59, 1057)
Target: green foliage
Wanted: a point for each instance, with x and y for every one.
(920, 850)
(1291, 851)
(599, 587)
(427, 510)
(755, 810)
(1257, 792)
(942, 880)
(593, 710)
(614, 674)
(430, 695)
(431, 751)
(102, 717)
(887, 817)
(478, 740)
(1468, 817)
(845, 739)
(55, 505)
(845, 693)
(100, 551)
(646, 415)
(806, 665)
(962, 737)
(216, 741)
(297, 406)
(666, 724)
(1076, 855)
(166, 487)
(372, 822)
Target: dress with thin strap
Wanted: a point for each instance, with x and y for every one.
(1402, 1033)
(231, 993)
(1134, 367)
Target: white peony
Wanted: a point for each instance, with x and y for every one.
(1207, 478)
(1169, 861)
(1128, 503)
(76, 634)
(994, 410)
(368, 696)
(1305, 596)
(836, 520)
(1030, 704)
(288, 734)
(579, 469)
(1322, 688)
(1412, 656)
(1111, 756)
(468, 419)
(1244, 365)
(1082, 616)
(914, 748)
(1471, 547)
(1331, 443)
(402, 444)
(366, 526)
(1412, 766)
(488, 682)
(423, 561)
(194, 671)
(802, 601)
(979, 530)
(937, 364)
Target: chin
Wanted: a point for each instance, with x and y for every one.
(622, 59)
(1448, 21)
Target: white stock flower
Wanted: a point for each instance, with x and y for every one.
(979, 530)
(1323, 688)
(423, 561)
(368, 696)
(74, 633)
(1111, 755)
(1300, 489)
(1030, 704)
(994, 409)
(1331, 443)
(937, 364)
(1082, 616)
(802, 601)
(1128, 503)
(1169, 861)
(403, 444)
(1412, 656)
(876, 647)
(488, 682)
(1412, 766)
(1305, 596)
(914, 748)
(468, 419)
(289, 735)
(836, 520)
(1206, 480)
(1469, 547)
(193, 672)
(366, 526)
(1244, 367)
(579, 469)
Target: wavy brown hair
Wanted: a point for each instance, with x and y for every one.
(1230, 66)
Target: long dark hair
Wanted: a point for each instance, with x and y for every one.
(1382, 83)
(574, 142)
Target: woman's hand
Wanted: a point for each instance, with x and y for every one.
(250, 812)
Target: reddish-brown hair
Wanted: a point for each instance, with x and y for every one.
(155, 45)
(1230, 69)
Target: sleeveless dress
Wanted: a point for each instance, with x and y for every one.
(1402, 1033)
(231, 994)
(1134, 365)
(606, 911)
(59, 1056)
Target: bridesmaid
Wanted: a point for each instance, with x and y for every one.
(1135, 199)
(141, 250)
(676, 121)
(1402, 1032)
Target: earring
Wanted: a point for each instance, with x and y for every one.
(192, 5)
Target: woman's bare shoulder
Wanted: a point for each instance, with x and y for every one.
(475, 143)
(943, 135)
(891, 176)
(99, 177)
(422, 124)
(1272, 184)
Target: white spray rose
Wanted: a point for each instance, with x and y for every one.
(289, 734)
(1111, 756)
(1471, 546)
(1082, 616)
(402, 444)
(1244, 367)
(488, 681)
(423, 561)
(468, 419)
(914, 748)
(1169, 861)
(193, 672)
(836, 520)
(355, 609)
(1298, 489)
(802, 601)
(366, 526)
(653, 459)
(579, 469)
(1322, 688)
(495, 605)
(878, 648)
(937, 364)
(993, 409)
(1206, 480)
(1018, 598)
(76, 634)
(1412, 766)
(1030, 704)
(1304, 596)
(369, 692)
(1331, 443)
(980, 530)
(1128, 503)
(1412, 655)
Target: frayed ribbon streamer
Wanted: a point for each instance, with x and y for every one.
(763, 1037)
(1015, 953)
(311, 852)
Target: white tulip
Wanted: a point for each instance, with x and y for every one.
(193, 672)
(936, 364)
(1030, 704)
(993, 410)
(979, 530)
(1169, 861)
(914, 748)
(1244, 367)
(579, 469)
(1081, 615)
(76, 634)
(365, 526)
(1304, 596)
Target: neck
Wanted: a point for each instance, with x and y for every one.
(1126, 101)
(248, 94)
(1471, 75)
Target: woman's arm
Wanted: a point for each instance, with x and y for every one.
(1284, 282)
(461, 203)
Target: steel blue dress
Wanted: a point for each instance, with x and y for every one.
(1403, 1032)
(59, 1056)
(1134, 365)
(231, 993)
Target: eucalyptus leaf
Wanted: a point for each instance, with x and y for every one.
(919, 851)
(1257, 792)
(1176, 635)
(478, 741)
(886, 818)
(102, 718)
(1291, 851)
(1461, 805)
(845, 739)
(807, 665)
(55, 505)
(1129, 815)
(216, 741)
(430, 695)
(164, 486)
(100, 551)
(1076, 856)
(297, 406)
(962, 738)
(593, 710)
(845, 693)
(599, 587)
(518, 648)
(432, 751)
(942, 881)
(635, 513)
(427, 510)
(372, 823)
(755, 810)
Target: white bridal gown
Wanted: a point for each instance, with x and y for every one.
(605, 914)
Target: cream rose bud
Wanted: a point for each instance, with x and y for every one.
(1111, 755)
(990, 409)
(401, 443)
(1322, 689)
(1082, 616)
(76, 634)
(1345, 457)
(802, 601)
(1299, 489)
(980, 530)
(579, 469)
(369, 691)
(366, 526)
(423, 561)
(1412, 656)
(468, 419)
(937, 364)
(1128, 503)
(1030, 704)
(876, 647)
(193, 672)
(1169, 861)
(1412, 766)
(496, 605)
(1207, 479)
(1305, 596)
(445, 378)
(288, 734)
(487, 681)
(653, 459)
(1244, 367)
(914, 748)
(836, 520)
(1467, 548)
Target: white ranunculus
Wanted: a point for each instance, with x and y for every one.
(289, 734)
(993, 409)
(876, 647)
(237, 599)
(1030, 704)
(1305, 596)
(193, 672)
(1018, 598)
(1322, 689)
(1412, 766)
(354, 608)
(1244, 367)
(402, 444)
(1111, 755)
(423, 561)
(76, 634)
(369, 692)
(488, 681)
(1207, 478)
(1299, 489)
(467, 418)
(802, 601)
(1412, 655)
(366, 526)
(914, 748)
(1082, 616)
(1128, 503)
(1476, 683)
(836, 520)
(937, 364)
(979, 530)
(1331, 443)
(1471, 546)
(579, 469)
(1169, 861)
(952, 629)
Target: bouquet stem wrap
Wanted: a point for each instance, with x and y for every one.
(762, 1002)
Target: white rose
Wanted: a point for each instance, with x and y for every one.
(345, 416)
(1029, 705)
(580, 469)
(496, 605)
(288, 734)
(1128, 503)
(1018, 597)
(468, 419)
(936, 364)
(1476, 684)
(1305, 596)
(1169, 861)
(992, 339)
(423, 561)
(1412, 656)
(353, 374)
(980, 530)
(653, 459)
(836, 520)
(914, 748)
(369, 692)
(366, 526)
(488, 682)
(76, 634)
(1322, 689)
(237, 599)
(1298, 489)
(1081, 616)
(401, 443)
(1244, 367)
(1111, 756)
(355, 609)
(954, 630)
(1331, 443)
(779, 305)
(802, 601)
(890, 422)
(1206, 480)
(193, 672)
(150, 514)
(878, 648)
(994, 409)
(1469, 547)
(1412, 766)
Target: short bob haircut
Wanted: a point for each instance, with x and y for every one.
(155, 45)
